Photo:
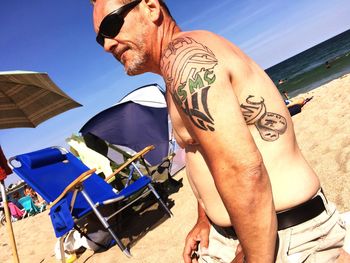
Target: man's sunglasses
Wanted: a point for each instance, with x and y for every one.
(113, 22)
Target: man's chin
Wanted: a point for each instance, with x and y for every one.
(132, 71)
(133, 65)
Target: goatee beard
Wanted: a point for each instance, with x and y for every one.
(137, 65)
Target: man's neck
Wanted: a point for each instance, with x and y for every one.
(166, 33)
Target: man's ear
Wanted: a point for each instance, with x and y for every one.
(153, 10)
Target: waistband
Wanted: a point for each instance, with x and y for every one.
(288, 218)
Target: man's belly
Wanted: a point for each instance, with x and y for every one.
(204, 189)
(288, 190)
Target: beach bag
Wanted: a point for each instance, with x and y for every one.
(61, 218)
(70, 256)
(76, 240)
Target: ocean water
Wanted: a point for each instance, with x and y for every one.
(313, 67)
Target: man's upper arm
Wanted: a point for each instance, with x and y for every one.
(201, 85)
(201, 89)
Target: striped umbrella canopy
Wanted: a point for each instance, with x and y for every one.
(29, 98)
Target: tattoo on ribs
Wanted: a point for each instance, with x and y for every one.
(270, 125)
(188, 70)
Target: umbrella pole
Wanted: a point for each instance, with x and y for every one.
(9, 222)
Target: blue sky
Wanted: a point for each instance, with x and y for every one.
(57, 37)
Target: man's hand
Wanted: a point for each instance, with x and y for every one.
(239, 257)
(198, 235)
(343, 257)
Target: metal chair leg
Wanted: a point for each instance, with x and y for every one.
(105, 224)
(150, 186)
(119, 243)
(160, 200)
(63, 256)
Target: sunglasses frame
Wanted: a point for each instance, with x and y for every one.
(117, 18)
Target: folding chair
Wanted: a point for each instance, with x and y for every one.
(72, 190)
(28, 205)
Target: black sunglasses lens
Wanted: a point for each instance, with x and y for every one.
(109, 28)
(111, 25)
(100, 39)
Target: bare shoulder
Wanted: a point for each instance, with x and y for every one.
(187, 51)
(200, 48)
(206, 38)
(194, 65)
(203, 70)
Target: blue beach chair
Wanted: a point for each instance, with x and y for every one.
(73, 191)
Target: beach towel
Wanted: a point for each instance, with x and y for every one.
(15, 211)
(91, 158)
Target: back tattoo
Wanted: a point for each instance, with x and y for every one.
(188, 70)
(270, 125)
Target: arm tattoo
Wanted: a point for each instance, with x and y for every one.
(188, 70)
(270, 125)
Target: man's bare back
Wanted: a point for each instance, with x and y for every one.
(293, 181)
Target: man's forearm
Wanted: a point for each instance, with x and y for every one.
(249, 203)
(201, 212)
(258, 236)
(202, 216)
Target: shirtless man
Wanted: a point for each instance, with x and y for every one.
(242, 159)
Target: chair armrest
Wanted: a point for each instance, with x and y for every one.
(130, 160)
(78, 180)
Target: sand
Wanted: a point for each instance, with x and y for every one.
(323, 134)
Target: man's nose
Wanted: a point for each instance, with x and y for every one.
(110, 44)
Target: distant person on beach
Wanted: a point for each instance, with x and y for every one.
(294, 105)
(258, 199)
(282, 81)
(286, 97)
(14, 200)
(37, 199)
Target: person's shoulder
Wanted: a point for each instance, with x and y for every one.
(187, 51)
(199, 36)
(196, 34)
(199, 41)
(187, 46)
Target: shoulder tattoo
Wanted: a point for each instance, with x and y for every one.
(188, 69)
(270, 125)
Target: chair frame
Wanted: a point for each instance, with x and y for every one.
(77, 186)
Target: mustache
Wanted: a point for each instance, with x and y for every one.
(116, 56)
(118, 52)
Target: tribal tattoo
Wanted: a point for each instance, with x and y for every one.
(270, 125)
(188, 70)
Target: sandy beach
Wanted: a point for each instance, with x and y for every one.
(323, 134)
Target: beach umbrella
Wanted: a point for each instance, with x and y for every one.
(27, 99)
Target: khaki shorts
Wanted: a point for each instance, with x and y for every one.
(317, 240)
